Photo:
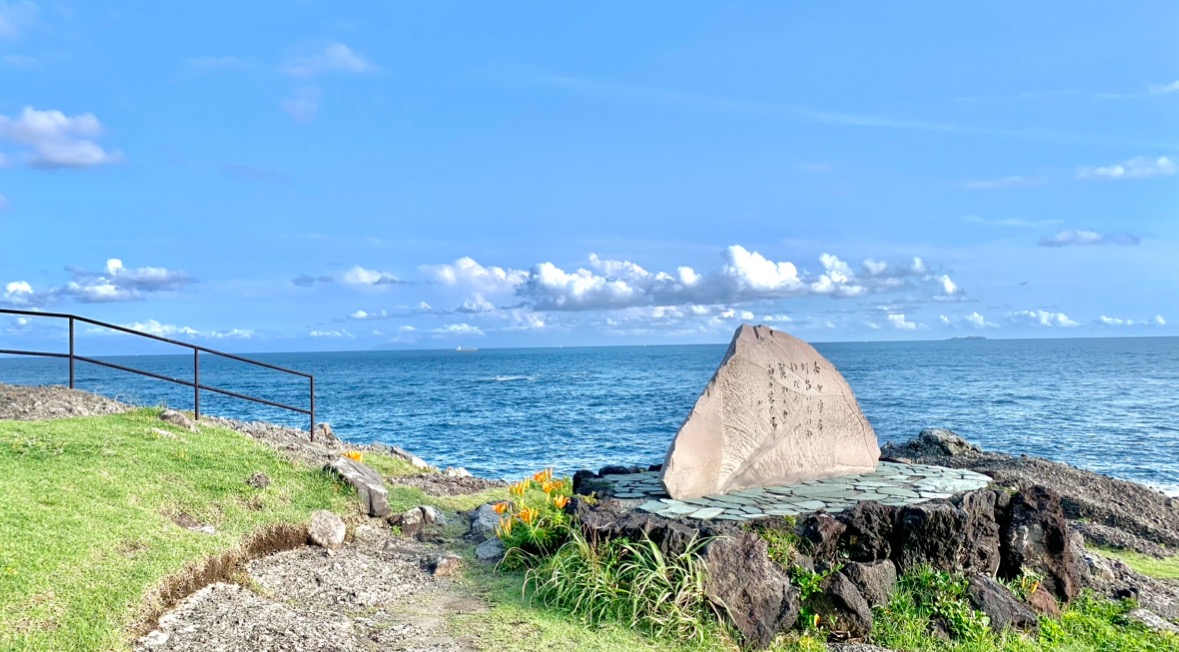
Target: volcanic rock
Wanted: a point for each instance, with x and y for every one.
(1000, 606)
(755, 594)
(776, 412)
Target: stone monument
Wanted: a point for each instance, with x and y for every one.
(775, 413)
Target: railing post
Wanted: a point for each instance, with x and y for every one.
(71, 352)
(312, 431)
(196, 383)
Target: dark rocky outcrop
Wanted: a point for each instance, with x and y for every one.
(876, 581)
(1002, 608)
(610, 519)
(930, 533)
(820, 535)
(1043, 603)
(745, 584)
(931, 442)
(1035, 539)
(841, 606)
(869, 531)
(980, 542)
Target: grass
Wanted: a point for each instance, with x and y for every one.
(1160, 569)
(86, 509)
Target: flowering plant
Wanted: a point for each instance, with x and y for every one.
(533, 520)
(355, 456)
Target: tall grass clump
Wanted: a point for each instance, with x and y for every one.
(632, 583)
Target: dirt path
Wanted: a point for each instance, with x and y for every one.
(372, 594)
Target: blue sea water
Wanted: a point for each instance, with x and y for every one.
(1110, 405)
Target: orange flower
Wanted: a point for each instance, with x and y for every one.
(504, 528)
(543, 476)
(519, 488)
(560, 501)
(500, 508)
(558, 485)
(355, 456)
(816, 620)
(527, 515)
(547, 487)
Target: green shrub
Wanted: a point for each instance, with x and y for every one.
(533, 522)
(628, 582)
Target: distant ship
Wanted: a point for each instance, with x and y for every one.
(461, 349)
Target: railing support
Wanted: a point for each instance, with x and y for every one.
(71, 352)
(196, 384)
(312, 431)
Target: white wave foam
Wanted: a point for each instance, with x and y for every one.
(509, 379)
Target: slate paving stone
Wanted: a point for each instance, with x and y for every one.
(812, 505)
(652, 506)
(681, 509)
(708, 512)
(628, 494)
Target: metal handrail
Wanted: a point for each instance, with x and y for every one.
(197, 350)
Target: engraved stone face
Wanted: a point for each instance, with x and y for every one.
(775, 413)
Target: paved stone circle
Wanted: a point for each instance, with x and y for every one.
(891, 484)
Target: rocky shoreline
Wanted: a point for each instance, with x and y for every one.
(1041, 515)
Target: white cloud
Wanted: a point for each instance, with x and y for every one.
(336, 334)
(1041, 318)
(465, 271)
(360, 276)
(1157, 320)
(1003, 182)
(55, 140)
(1164, 89)
(973, 320)
(18, 293)
(153, 327)
(15, 17)
(458, 329)
(362, 315)
(303, 105)
(333, 57)
(899, 322)
(120, 283)
(754, 273)
(476, 304)
(838, 279)
(1072, 237)
(949, 287)
(1137, 168)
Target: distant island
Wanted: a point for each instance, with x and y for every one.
(967, 337)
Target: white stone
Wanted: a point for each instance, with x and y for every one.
(327, 530)
(775, 413)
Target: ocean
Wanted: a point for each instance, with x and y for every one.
(1109, 405)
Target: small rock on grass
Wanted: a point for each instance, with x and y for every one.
(327, 530)
(259, 481)
(484, 521)
(178, 419)
(456, 472)
(446, 565)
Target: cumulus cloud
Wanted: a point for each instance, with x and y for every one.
(1137, 168)
(54, 140)
(18, 293)
(743, 276)
(120, 283)
(899, 322)
(332, 335)
(973, 320)
(477, 304)
(1041, 318)
(364, 315)
(360, 276)
(1073, 237)
(458, 329)
(153, 327)
(1157, 320)
(306, 280)
(333, 57)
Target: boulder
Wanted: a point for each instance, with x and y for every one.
(410, 521)
(876, 581)
(490, 551)
(324, 433)
(869, 532)
(456, 472)
(432, 515)
(841, 607)
(1043, 603)
(776, 412)
(930, 533)
(980, 542)
(178, 419)
(326, 530)
(756, 595)
(820, 534)
(484, 521)
(609, 519)
(1003, 609)
(1035, 538)
(368, 483)
(1153, 621)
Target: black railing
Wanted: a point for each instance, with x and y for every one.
(195, 383)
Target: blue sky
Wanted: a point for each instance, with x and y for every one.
(338, 175)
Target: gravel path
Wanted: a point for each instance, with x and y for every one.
(373, 594)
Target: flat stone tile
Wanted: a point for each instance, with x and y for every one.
(812, 505)
(708, 513)
(681, 509)
(652, 506)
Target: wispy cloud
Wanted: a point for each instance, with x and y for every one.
(1073, 237)
(1157, 320)
(1136, 168)
(1044, 318)
(799, 112)
(1011, 221)
(15, 17)
(333, 57)
(1004, 182)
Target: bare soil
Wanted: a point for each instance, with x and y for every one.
(436, 484)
